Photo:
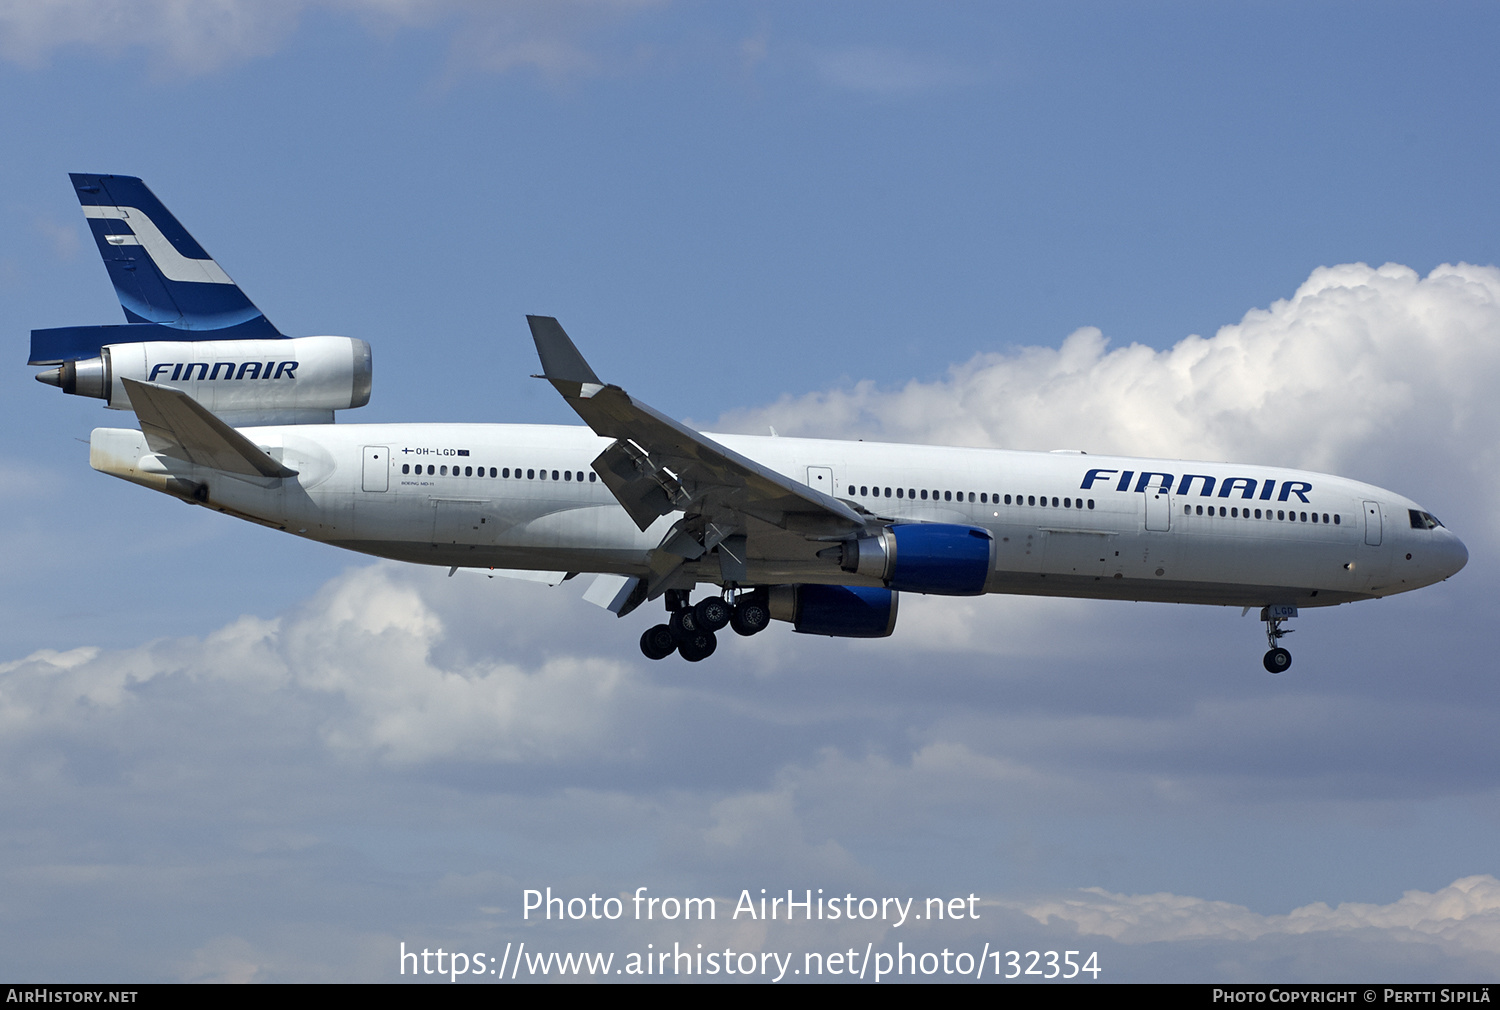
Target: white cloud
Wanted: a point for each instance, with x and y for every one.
(366, 641)
(1463, 917)
(1378, 374)
(192, 35)
(201, 36)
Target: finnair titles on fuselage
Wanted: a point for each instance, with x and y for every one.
(235, 416)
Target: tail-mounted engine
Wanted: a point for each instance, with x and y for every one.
(301, 380)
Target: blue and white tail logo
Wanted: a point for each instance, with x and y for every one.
(169, 287)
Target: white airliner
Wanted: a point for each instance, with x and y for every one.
(237, 417)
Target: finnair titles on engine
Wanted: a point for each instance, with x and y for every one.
(235, 416)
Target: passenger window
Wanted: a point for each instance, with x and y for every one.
(1304, 517)
(1280, 515)
(864, 491)
(442, 471)
(1054, 503)
(492, 471)
(971, 496)
(1336, 519)
(406, 468)
(554, 475)
(887, 492)
(1200, 510)
(1031, 499)
(530, 474)
(1187, 510)
(593, 476)
(1007, 499)
(984, 498)
(468, 471)
(1091, 503)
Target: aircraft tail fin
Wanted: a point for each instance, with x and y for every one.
(165, 280)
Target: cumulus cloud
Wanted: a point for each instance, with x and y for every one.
(1376, 373)
(368, 641)
(1463, 917)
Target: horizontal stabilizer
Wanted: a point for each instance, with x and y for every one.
(75, 343)
(176, 425)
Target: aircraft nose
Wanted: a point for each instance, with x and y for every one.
(1451, 554)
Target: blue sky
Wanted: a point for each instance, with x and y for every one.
(954, 223)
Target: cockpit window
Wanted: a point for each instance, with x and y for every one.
(1422, 520)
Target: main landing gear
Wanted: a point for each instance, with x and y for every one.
(690, 629)
(1277, 659)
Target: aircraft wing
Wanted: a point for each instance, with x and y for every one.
(177, 425)
(658, 465)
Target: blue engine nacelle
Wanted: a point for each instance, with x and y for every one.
(940, 558)
(839, 611)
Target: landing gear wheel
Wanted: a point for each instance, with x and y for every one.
(712, 613)
(1277, 660)
(750, 619)
(699, 647)
(683, 625)
(657, 642)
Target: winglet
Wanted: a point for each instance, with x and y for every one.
(177, 425)
(561, 362)
(657, 465)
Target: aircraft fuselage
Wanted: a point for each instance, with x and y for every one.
(1064, 524)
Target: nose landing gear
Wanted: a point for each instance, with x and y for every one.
(1277, 659)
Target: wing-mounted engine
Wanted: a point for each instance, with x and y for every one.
(838, 611)
(299, 380)
(940, 558)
